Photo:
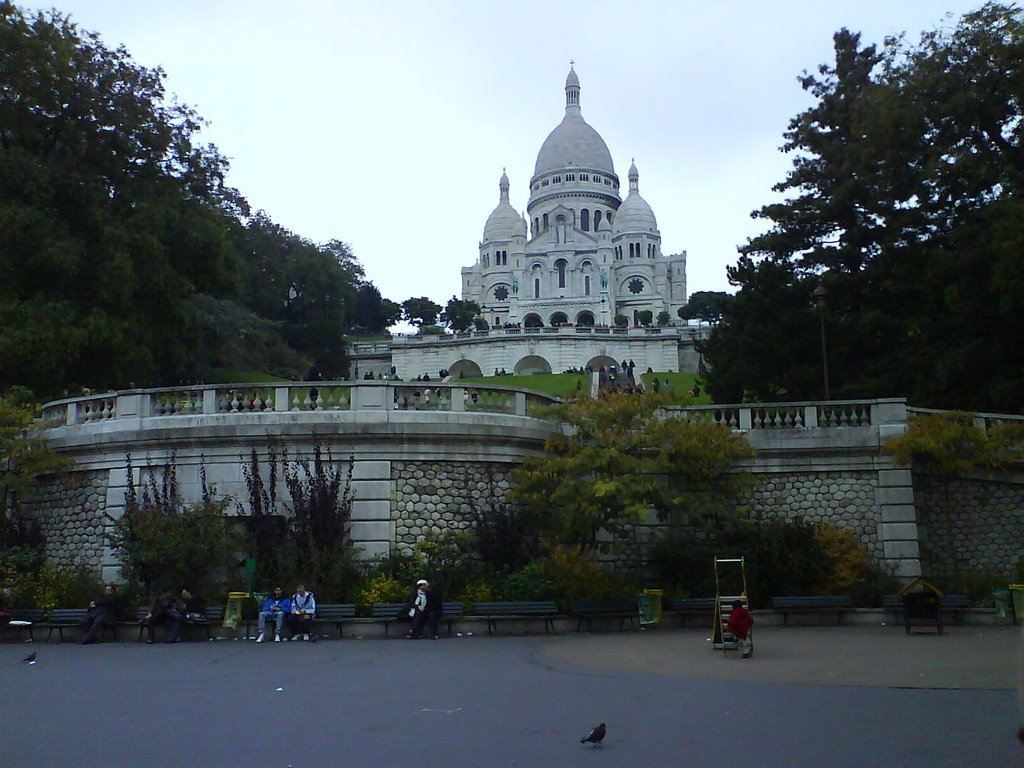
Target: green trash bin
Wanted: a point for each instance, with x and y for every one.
(649, 605)
(1001, 599)
(1017, 601)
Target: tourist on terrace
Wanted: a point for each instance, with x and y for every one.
(275, 608)
(303, 609)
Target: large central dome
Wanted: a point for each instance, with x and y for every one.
(573, 143)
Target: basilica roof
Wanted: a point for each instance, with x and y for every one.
(634, 215)
(573, 143)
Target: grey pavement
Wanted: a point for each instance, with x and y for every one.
(857, 696)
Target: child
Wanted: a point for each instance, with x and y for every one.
(740, 622)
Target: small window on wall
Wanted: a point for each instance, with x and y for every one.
(570, 177)
(585, 219)
(584, 177)
(586, 285)
(536, 289)
(544, 183)
(597, 178)
(597, 220)
(545, 221)
(556, 180)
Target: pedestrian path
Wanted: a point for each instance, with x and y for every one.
(979, 658)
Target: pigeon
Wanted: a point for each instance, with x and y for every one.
(595, 736)
(31, 657)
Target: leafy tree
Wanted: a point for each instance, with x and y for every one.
(24, 459)
(374, 314)
(664, 318)
(706, 306)
(459, 315)
(111, 215)
(616, 458)
(645, 317)
(904, 196)
(165, 544)
(421, 311)
(621, 321)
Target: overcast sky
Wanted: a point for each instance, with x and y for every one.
(387, 124)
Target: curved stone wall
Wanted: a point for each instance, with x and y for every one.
(75, 523)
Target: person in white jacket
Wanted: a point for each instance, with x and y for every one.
(300, 620)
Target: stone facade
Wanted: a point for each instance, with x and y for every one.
(434, 497)
(840, 499)
(970, 523)
(73, 519)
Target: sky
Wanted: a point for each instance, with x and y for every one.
(387, 125)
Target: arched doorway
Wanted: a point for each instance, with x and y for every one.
(533, 321)
(585, 318)
(601, 361)
(464, 369)
(559, 318)
(532, 364)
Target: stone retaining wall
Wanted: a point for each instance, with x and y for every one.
(840, 499)
(74, 525)
(969, 523)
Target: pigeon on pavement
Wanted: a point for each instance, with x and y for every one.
(595, 736)
(31, 657)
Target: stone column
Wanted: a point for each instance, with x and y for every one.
(897, 530)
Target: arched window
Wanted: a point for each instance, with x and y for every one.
(631, 250)
(597, 220)
(585, 219)
(609, 218)
(560, 266)
(536, 288)
(536, 225)
(545, 221)
(586, 285)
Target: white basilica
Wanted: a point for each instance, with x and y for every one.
(582, 255)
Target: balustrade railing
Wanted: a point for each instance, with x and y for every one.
(252, 400)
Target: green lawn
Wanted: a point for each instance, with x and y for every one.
(561, 384)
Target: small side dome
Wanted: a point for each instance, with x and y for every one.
(504, 223)
(634, 215)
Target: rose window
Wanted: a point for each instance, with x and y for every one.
(636, 286)
(501, 293)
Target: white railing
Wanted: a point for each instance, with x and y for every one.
(247, 400)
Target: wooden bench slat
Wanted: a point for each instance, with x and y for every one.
(495, 611)
(615, 608)
(812, 604)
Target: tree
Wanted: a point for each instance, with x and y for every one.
(111, 215)
(24, 458)
(905, 199)
(706, 306)
(373, 313)
(664, 318)
(645, 317)
(616, 458)
(421, 311)
(459, 314)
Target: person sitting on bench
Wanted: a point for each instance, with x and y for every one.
(102, 611)
(275, 608)
(300, 620)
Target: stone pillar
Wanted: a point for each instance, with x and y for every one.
(897, 531)
(372, 526)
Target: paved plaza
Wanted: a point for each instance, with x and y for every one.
(812, 696)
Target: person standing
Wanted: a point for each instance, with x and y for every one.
(275, 608)
(102, 611)
(303, 609)
(418, 610)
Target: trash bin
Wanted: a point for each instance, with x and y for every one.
(1001, 599)
(233, 611)
(1017, 601)
(649, 605)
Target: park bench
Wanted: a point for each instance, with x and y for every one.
(838, 604)
(394, 612)
(72, 618)
(214, 614)
(494, 612)
(692, 606)
(338, 614)
(620, 608)
(24, 620)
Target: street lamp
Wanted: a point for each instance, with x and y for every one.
(820, 295)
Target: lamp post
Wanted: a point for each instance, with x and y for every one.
(820, 295)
